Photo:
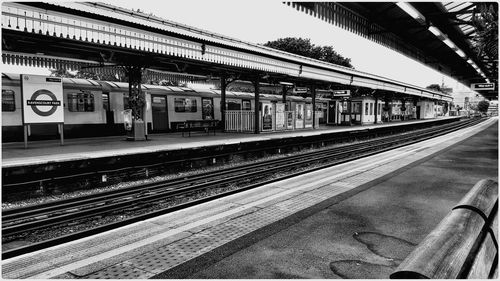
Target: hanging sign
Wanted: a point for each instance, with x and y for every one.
(42, 99)
(342, 93)
(482, 86)
(299, 90)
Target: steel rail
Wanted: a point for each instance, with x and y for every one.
(45, 209)
(119, 206)
(121, 201)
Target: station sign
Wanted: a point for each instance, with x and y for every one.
(342, 93)
(482, 86)
(300, 90)
(42, 99)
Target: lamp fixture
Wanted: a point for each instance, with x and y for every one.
(411, 11)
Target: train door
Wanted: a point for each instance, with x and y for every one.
(159, 112)
(110, 117)
(207, 112)
(331, 112)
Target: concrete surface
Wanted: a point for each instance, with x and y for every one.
(344, 220)
(38, 152)
(369, 234)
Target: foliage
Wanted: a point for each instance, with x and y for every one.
(304, 47)
(62, 72)
(482, 106)
(434, 87)
(486, 23)
(82, 74)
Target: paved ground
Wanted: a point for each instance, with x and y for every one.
(349, 220)
(369, 234)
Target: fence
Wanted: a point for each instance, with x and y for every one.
(240, 121)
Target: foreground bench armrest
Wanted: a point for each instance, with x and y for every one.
(464, 243)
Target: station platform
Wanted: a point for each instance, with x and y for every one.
(41, 152)
(355, 220)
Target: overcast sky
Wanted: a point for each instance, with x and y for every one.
(259, 21)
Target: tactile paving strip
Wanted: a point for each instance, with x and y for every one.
(160, 259)
(253, 221)
(327, 191)
(298, 203)
(120, 271)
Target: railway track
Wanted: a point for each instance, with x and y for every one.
(141, 202)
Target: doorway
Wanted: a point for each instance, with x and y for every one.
(160, 113)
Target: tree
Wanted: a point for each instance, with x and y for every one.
(482, 106)
(304, 47)
(485, 22)
(61, 72)
(434, 87)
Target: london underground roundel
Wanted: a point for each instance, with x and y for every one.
(42, 99)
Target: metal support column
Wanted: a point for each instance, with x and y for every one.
(313, 95)
(256, 100)
(284, 90)
(223, 86)
(137, 102)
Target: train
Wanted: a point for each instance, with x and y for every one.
(95, 108)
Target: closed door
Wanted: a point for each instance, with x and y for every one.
(331, 112)
(160, 114)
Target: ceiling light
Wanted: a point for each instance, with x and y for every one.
(449, 43)
(460, 53)
(411, 11)
(436, 31)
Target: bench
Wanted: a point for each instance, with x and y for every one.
(198, 125)
(463, 245)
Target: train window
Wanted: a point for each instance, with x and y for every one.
(247, 105)
(8, 100)
(105, 102)
(81, 102)
(125, 101)
(366, 108)
(185, 105)
(371, 108)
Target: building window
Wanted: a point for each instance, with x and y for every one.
(8, 100)
(233, 105)
(81, 102)
(356, 107)
(185, 105)
(247, 105)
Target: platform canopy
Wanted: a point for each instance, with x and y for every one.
(442, 35)
(90, 35)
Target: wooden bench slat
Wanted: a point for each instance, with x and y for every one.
(443, 252)
(463, 245)
(481, 198)
(484, 259)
